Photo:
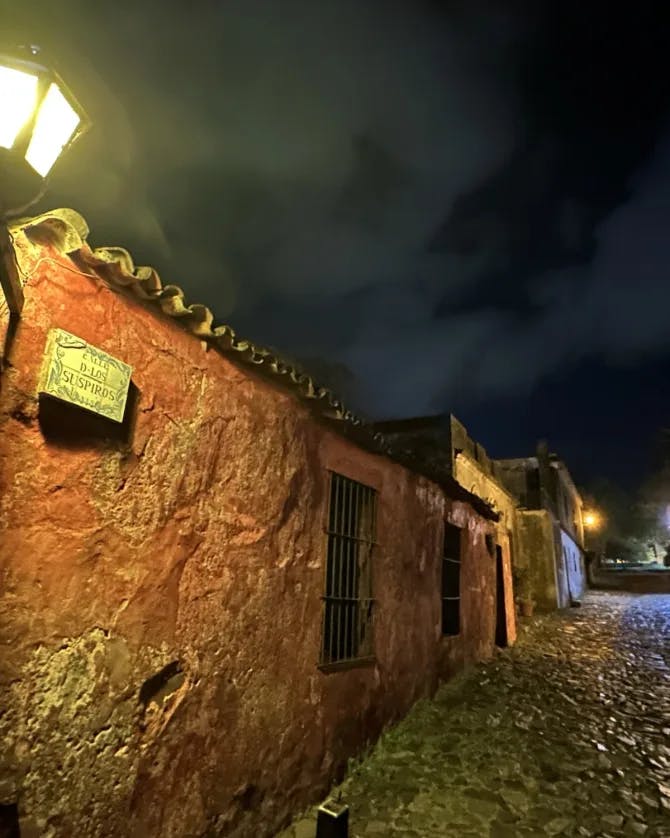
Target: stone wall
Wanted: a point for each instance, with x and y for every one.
(567, 502)
(521, 478)
(537, 555)
(461, 441)
(161, 583)
(633, 581)
(473, 478)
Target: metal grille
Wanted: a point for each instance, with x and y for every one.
(451, 580)
(347, 603)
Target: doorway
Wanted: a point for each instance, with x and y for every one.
(501, 617)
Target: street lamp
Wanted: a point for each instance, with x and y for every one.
(39, 120)
(592, 520)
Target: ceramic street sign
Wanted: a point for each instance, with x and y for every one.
(77, 372)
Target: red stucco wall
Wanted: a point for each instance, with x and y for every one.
(193, 535)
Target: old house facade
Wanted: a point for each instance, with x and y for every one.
(551, 527)
(208, 607)
(478, 473)
(445, 440)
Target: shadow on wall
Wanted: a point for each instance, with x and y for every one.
(9, 821)
(71, 427)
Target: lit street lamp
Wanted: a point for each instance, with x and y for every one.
(592, 520)
(39, 120)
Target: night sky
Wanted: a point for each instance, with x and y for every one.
(457, 206)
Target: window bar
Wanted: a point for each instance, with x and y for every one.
(341, 627)
(361, 569)
(349, 581)
(355, 584)
(344, 604)
(326, 610)
(371, 570)
(357, 531)
(342, 568)
(360, 604)
(364, 576)
(336, 572)
(351, 528)
(355, 618)
(335, 483)
(361, 561)
(352, 607)
(352, 590)
(373, 511)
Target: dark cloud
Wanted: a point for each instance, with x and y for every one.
(613, 306)
(304, 149)
(432, 204)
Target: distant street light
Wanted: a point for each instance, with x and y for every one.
(593, 520)
(39, 120)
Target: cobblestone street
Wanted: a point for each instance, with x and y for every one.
(568, 733)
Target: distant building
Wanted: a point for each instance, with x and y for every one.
(551, 527)
(208, 607)
(539, 532)
(444, 441)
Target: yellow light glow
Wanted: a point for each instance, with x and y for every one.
(18, 94)
(55, 124)
(592, 520)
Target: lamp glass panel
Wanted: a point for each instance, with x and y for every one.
(18, 94)
(56, 122)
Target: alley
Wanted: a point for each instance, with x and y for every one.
(566, 734)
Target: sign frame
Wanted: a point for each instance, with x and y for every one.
(78, 373)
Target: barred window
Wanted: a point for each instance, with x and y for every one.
(451, 580)
(347, 603)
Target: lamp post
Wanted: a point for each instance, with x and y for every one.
(39, 120)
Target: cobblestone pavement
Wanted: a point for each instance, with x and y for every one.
(568, 733)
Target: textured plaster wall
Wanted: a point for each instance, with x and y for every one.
(537, 554)
(476, 640)
(575, 570)
(514, 475)
(475, 480)
(568, 503)
(161, 582)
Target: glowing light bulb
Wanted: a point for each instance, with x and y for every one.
(56, 122)
(18, 95)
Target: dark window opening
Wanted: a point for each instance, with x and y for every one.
(347, 603)
(451, 580)
(9, 821)
(501, 613)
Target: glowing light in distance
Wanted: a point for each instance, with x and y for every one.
(592, 520)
